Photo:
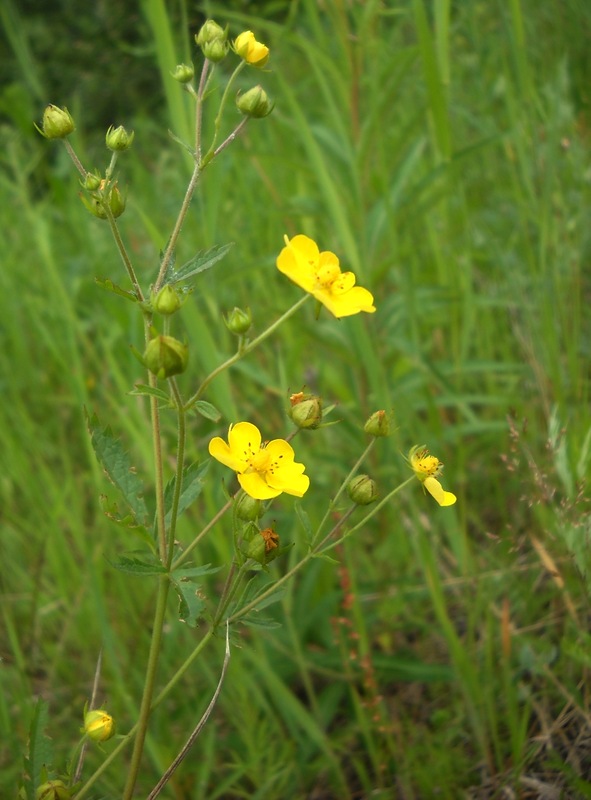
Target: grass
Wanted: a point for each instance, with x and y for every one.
(442, 152)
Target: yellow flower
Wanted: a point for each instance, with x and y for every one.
(253, 52)
(426, 467)
(264, 470)
(320, 275)
(98, 725)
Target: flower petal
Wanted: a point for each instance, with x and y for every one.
(437, 491)
(290, 480)
(298, 261)
(244, 439)
(255, 486)
(220, 451)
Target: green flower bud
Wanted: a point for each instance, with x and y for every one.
(183, 73)
(167, 301)
(98, 725)
(378, 424)
(165, 356)
(94, 203)
(262, 546)
(209, 31)
(247, 508)
(362, 490)
(255, 103)
(216, 50)
(239, 321)
(92, 181)
(305, 410)
(53, 790)
(118, 139)
(57, 123)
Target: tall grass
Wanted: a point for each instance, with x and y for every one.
(442, 150)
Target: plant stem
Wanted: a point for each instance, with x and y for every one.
(247, 349)
(123, 252)
(178, 483)
(185, 554)
(146, 705)
(76, 161)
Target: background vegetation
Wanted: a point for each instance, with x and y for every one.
(442, 150)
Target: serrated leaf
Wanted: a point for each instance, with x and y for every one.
(207, 410)
(192, 486)
(137, 567)
(144, 389)
(117, 465)
(199, 263)
(191, 603)
(40, 753)
(107, 283)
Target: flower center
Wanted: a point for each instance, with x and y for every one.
(260, 462)
(327, 274)
(426, 464)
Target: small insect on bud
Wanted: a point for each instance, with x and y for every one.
(98, 725)
(165, 356)
(118, 139)
(57, 123)
(255, 103)
(378, 424)
(53, 790)
(166, 301)
(305, 410)
(183, 73)
(362, 490)
(239, 321)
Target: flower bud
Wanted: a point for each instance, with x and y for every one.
(209, 31)
(378, 424)
(238, 321)
(261, 546)
(165, 356)
(166, 301)
(253, 52)
(98, 725)
(53, 790)
(115, 199)
(215, 50)
(248, 509)
(92, 181)
(118, 139)
(212, 39)
(183, 73)
(255, 103)
(305, 410)
(57, 123)
(362, 490)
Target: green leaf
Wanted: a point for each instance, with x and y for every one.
(144, 389)
(128, 521)
(191, 602)
(207, 410)
(260, 622)
(191, 488)
(304, 519)
(324, 557)
(199, 263)
(117, 465)
(185, 573)
(107, 283)
(134, 566)
(40, 754)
